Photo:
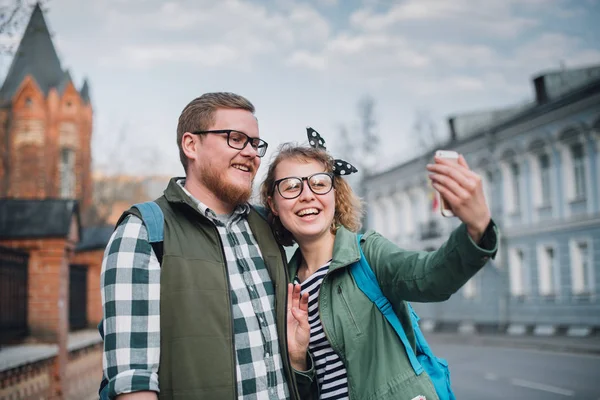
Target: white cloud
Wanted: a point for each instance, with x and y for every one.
(150, 55)
(208, 29)
(364, 56)
(496, 18)
(307, 60)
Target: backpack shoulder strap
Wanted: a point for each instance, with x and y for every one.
(367, 282)
(154, 220)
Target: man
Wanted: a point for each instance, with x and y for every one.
(209, 320)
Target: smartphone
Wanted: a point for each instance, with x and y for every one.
(451, 155)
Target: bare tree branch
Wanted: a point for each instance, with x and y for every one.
(425, 129)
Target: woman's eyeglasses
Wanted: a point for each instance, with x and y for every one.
(291, 187)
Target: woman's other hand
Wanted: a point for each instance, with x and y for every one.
(298, 328)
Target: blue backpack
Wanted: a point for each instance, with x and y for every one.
(424, 359)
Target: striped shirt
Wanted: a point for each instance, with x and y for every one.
(331, 373)
(131, 275)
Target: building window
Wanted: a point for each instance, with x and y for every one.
(515, 175)
(67, 173)
(578, 170)
(517, 272)
(391, 210)
(547, 271)
(28, 102)
(545, 179)
(582, 272)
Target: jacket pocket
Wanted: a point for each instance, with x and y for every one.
(346, 304)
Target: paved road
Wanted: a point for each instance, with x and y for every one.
(503, 373)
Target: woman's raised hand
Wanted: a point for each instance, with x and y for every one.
(298, 328)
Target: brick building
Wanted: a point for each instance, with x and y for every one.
(45, 124)
(50, 260)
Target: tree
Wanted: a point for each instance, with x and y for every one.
(425, 129)
(13, 16)
(360, 146)
(114, 190)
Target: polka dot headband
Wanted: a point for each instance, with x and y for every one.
(340, 167)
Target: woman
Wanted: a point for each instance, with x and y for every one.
(356, 353)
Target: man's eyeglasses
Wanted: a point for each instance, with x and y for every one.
(291, 187)
(238, 140)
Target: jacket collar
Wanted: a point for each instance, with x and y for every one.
(175, 193)
(345, 252)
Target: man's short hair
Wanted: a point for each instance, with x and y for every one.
(199, 115)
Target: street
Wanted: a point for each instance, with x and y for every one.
(479, 372)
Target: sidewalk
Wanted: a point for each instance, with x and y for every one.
(18, 355)
(565, 344)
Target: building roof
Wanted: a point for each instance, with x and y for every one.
(28, 219)
(95, 237)
(85, 91)
(35, 56)
(512, 117)
(62, 85)
(558, 83)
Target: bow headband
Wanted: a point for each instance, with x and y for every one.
(340, 167)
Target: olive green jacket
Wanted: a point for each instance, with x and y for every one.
(374, 357)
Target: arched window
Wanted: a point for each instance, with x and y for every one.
(67, 173)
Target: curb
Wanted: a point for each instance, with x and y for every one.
(589, 346)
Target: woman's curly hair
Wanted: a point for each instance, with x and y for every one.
(348, 206)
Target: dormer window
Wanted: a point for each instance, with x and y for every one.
(28, 102)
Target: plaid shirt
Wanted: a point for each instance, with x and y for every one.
(131, 296)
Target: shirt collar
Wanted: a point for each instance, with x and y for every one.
(241, 210)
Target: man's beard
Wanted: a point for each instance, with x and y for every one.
(223, 189)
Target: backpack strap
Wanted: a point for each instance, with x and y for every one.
(154, 220)
(367, 283)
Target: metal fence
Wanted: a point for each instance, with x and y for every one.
(13, 294)
(77, 296)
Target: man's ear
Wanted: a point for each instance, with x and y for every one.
(188, 144)
(271, 205)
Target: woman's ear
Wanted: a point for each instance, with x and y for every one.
(271, 205)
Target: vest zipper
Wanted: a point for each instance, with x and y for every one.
(230, 313)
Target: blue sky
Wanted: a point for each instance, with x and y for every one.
(308, 63)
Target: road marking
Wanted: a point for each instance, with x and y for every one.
(490, 376)
(540, 386)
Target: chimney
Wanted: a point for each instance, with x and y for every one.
(541, 95)
(452, 128)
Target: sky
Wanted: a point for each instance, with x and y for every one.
(308, 63)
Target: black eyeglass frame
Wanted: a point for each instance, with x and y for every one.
(302, 179)
(259, 142)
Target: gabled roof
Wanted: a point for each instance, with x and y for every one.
(35, 56)
(29, 219)
(95, 237)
